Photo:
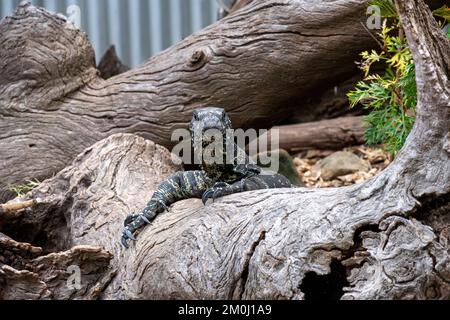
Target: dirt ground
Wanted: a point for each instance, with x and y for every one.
(305, 163)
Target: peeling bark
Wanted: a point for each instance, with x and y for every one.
(25, 273)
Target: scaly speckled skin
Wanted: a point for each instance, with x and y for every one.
(213, 181)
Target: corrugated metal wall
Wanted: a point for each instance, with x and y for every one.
(138, 28)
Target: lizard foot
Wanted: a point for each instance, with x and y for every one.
(130, 219)
(215, 192)
(127, 235)
(133, 223)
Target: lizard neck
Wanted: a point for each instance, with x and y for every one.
(225, 171)
(218, 170)
(230, 155)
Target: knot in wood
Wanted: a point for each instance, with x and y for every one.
(197, 57)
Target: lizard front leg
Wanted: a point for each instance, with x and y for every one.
(181, 185)
(257, 182)
(245, 171)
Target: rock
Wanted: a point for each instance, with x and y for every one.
(287, 167)
(340, 164)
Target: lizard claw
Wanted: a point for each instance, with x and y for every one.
(164, 205)
(127, 235)
(207, 195)
(135, 222)
(143, 217)
(124, 242)
(214, 192)
(132, 223)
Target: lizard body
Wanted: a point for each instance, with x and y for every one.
(215, 179)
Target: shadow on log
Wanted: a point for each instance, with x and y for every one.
(274, 243)
(110, 64)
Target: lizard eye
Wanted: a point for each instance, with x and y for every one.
(226, 120)
(224, 115)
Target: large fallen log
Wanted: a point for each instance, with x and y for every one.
(258, 63)
(327, 134)
(387, 238)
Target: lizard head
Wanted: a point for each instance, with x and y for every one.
(209, 119)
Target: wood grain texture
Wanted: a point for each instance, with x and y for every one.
(27, 273)
(332, 134)
(257, 63)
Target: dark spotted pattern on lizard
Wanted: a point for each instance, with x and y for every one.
(216, 179)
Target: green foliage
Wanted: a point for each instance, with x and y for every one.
(391, 96)
(443, 12)
(22, 190)
(387, 8)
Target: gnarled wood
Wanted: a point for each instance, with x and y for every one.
(257, 63)
(26, 273)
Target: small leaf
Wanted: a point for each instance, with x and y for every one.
(387, 8)
(443, 12)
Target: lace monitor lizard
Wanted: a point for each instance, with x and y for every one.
(214, 180)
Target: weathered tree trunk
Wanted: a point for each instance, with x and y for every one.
(257, 63)
(387, 238)
(327, 134)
